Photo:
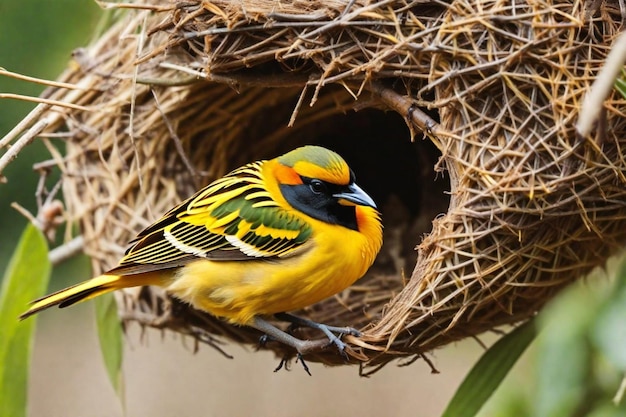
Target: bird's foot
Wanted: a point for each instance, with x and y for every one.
(331, 332)
(284, 363)
(303, 347)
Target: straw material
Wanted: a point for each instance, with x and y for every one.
(177, 93)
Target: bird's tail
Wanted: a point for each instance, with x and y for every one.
(92, 288)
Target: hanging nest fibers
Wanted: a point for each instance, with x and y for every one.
(177, 93)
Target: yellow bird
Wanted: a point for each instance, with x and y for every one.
(270, 237)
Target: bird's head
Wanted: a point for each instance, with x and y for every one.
(319, 183)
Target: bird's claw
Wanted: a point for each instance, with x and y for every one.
(304, 365)
(284, 363)
(341, 347)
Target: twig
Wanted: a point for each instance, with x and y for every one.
(345, 18)
(141, 37)
(48, 217)
(602, 86)
(433, 369)
(43, 165)
(292, 119)
(26, 214)
(42, 81)
(480, 342)
(23, 124)
(405, 107)
(21, 143)
(178, 144)
(167, 82)
(44, 101)
(291, 17)
(235, 79)
(106, 5)
(67, 250)
(348, 7)
(181, 68)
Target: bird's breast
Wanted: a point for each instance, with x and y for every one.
(333, 260)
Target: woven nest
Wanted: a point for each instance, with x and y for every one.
(177, 93)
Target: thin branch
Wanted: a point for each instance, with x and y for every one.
(345, 19)
(291, 17)
(30, 118)
(67, 250)
(42, 81)
(106, 5)
(26, 214)
(407, 108)
(294, 114)
(44, 101)
(429, 362)
(44, 165)
(21, 143)
(235, 79)
(178, 144)
(602, 87)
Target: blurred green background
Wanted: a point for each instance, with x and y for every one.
(36, 39)
(586, 340)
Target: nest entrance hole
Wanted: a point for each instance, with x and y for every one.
(396, 171)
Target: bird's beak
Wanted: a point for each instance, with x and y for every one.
(354, 196)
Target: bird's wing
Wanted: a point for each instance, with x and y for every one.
(234, 218)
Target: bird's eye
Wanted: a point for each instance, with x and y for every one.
(317, 186)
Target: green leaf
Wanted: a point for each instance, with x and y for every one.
(110, 336)
(620, 85)
(25, 279)
(564, 353)
(489, 371)
(606, 410)
(620, 273)
(608, 332)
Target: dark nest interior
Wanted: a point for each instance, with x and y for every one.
(457, 117)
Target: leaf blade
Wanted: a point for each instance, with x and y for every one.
(110, 337)
(26, 278)
(608, 332)
(487, 374)
(563, 355)
(620, 85)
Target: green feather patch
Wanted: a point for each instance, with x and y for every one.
(190, 231)
(317, 155)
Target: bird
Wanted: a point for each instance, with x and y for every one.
(270, 237)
